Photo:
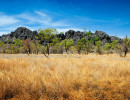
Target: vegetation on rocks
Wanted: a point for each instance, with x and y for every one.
(50, 41)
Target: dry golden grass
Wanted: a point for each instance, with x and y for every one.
(71, 77)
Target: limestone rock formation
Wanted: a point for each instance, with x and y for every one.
(102, 35)
(21, 33)
(74, 35)
(119, 40)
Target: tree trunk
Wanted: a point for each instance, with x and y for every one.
(66, 48)
(48, 49)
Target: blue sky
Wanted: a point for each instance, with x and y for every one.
(110, 16)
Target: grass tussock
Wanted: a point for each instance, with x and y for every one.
(70, 77)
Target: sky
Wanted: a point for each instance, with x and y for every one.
(110, 16)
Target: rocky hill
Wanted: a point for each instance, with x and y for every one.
(76, 35)
(23, 33)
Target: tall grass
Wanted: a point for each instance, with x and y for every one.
(61, 77)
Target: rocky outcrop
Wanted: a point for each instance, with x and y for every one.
(119, 40)
(21, 33)
(75, 35)
(102, 35)
(61, 36)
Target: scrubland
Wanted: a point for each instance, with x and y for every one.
(64, 77)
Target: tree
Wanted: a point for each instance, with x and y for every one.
(98, 47)
(95, 39)
(37, 47)
(125, 46)
(17, 43)
(79, 46)
(114, 45)
(107, 47)
(88, 34)
(46, 36)
(54, 45)
(61, 32)
(67, 43)
(86, 45)
(28, 45)
(55, 40)
(2, 47)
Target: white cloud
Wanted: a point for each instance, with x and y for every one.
(67, 29)
(47, 20)
(34, 20)
(40, 13)
(39, 18)
(7, 20)
(1, 33)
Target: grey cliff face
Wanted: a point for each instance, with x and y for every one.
(61, 36)
(21, 33)
(74, 35)
(119, 40)
(103, 36)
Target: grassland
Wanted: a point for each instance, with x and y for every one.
(71, 77)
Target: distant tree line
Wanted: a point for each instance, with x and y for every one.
(47, 42)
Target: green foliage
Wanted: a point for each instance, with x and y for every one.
(94, 39)
(125, 47)
(88, 46)
(2, 47)
(98, 43)
(127, 41)
(84, 44)
(17, 42)
(43, 49)
(72, 49)
(61, 32)
(79, 46)
(37, 47)
(87, 34)
(107, 46)
(2, 44)
(83, 40)
(55, 41)
(98, 47)
(114, 45)
(67, 43)
(48, 34)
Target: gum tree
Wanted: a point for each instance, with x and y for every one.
(98, 47)
(67, 43)
(46, 36)
(86, 45)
